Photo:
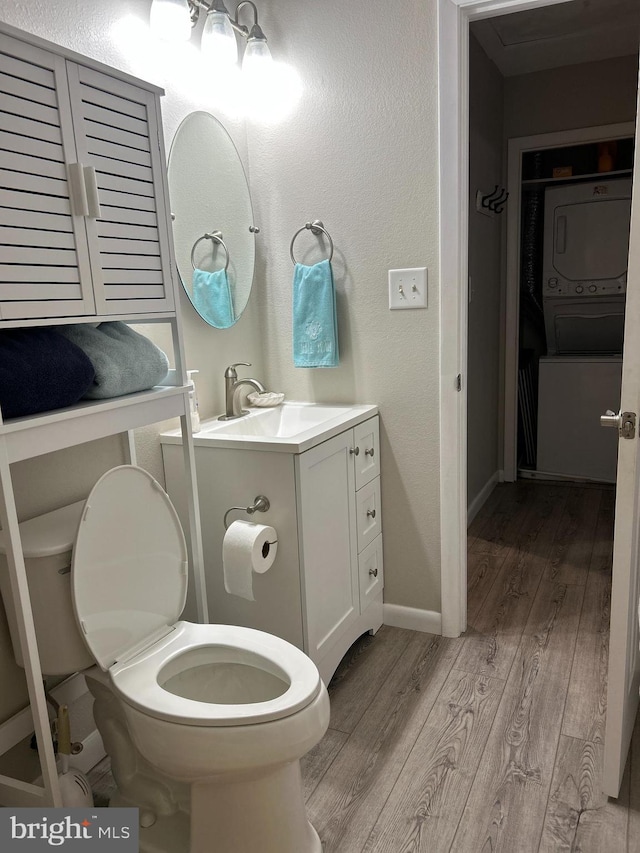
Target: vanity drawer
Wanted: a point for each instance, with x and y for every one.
(368, 510)
(370, 570)
(366, 437)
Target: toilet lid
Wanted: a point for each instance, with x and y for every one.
(129, 568)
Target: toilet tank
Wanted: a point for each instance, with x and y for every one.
(47, 543)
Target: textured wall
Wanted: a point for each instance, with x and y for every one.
(485, 254)
(585, 95)
(360, 153)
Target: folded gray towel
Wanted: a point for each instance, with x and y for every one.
(124, 361)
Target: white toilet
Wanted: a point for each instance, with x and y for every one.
(228, 710)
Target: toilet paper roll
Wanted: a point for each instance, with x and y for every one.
(247, 548)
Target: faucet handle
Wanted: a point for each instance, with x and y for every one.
(230, 372)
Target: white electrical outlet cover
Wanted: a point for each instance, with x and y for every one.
(408, 288)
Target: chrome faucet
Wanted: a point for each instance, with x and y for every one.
(231, 386)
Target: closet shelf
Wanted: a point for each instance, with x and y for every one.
(89, 420)
(571, 178)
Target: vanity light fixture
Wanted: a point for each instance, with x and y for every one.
(171, 18)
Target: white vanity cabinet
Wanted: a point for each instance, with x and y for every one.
(337, 523)
(84, 229)
(325, 587)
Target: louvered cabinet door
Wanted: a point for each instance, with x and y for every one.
(117, 137)
(43, 248)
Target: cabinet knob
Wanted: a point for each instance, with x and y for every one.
(371, 513)
(369, 452)
(355, 451)
(373, 572)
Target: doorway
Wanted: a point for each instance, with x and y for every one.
(455, 18)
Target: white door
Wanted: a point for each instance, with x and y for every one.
(624, 660)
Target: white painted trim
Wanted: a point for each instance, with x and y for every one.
(516, 147)
(397, 616)
(453, 131)
(477, 9)
(453, 203)
(483, 496)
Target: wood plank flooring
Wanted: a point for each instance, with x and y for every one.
(493, 741)
(507, 756)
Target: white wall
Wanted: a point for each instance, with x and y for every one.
(360, 153)
(585, 95)
(485, 254)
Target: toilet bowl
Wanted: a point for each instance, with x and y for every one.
(228, 710)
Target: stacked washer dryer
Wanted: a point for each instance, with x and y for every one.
(586, 245)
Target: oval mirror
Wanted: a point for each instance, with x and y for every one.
(212, 218)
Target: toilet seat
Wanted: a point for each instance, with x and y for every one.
(129, 587)
(129, 565)
(139, 680)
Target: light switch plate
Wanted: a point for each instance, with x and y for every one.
(408, 288)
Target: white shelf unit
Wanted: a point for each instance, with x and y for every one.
(43, 89)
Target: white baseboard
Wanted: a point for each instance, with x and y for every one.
(428, 621)
(483, 495)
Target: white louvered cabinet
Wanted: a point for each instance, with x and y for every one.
(83, 212)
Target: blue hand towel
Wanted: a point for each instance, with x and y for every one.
(315, 325)
(212, 298)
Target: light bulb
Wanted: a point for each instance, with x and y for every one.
(219, 41)
(257, 58)
(171, 20)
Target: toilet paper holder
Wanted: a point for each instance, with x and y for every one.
(260, 504)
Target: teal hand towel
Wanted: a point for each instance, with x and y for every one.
(212, 298)
(315, 325)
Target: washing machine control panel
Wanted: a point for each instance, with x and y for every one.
(554, 287)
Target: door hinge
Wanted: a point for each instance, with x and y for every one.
(459, 382)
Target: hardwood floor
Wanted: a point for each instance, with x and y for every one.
(492, 741)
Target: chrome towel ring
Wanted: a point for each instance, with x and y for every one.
(215, 237)
(316, 227)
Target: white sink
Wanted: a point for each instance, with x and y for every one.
(289, 428)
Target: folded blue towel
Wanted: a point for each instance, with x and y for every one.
(40, 370)
(212, 298)
(124, 360)
(315, 324)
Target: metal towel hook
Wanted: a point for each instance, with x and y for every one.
(260, 504)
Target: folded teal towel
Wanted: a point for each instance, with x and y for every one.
(124, 360)
(315, 325)
(212, 298)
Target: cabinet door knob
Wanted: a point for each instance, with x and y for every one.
(355, 451)
(371, 512)
(369, 452)
(373, 572)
